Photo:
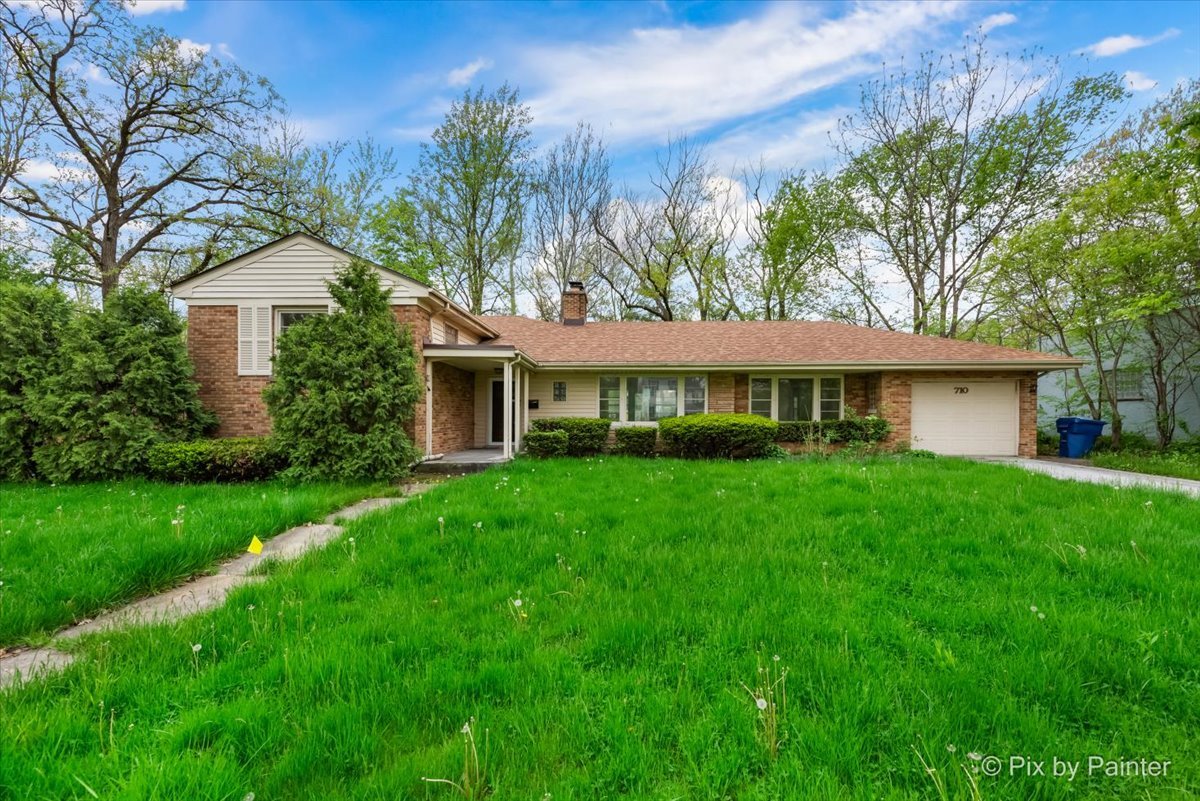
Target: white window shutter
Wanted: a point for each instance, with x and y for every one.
(263, 349)
(254, 340)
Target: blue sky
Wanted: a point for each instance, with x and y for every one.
(751, 79)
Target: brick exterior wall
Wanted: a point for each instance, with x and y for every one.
(720, 393)
(212, 340)
(895, 402)
(237, 399)
(741, 393)
(417, 320)
(453, 409)
(854, 393)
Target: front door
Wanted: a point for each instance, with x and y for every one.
(497, 413)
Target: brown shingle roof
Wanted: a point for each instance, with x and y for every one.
(744, 343)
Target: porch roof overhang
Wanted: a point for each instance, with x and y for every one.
(473, 357)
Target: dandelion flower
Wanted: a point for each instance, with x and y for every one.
(1041, 615)
(950, 747)
(351, 540)
(775, 658)
(1033, 609)
(517, 603)
(196, 648)
(761, 703)
(974, 756)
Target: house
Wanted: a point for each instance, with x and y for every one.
(943, 395)
(1177, 354)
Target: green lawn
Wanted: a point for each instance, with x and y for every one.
(1180, 464)
(67, 552)
(932, 606)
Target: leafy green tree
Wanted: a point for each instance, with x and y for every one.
(149, 141)
(346, 385)
(32, 319)
(119, 382)
(1111, 277)
(471, 186)
(794, 236)
(945, 160)
(396, 242)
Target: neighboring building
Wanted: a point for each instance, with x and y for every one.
(943, 395)
(1058, 394)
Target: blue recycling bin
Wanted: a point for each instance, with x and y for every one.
(1063, 424)
(1077, 435)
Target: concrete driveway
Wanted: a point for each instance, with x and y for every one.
(1070, 470)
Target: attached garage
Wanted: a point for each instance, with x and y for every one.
(966, 418)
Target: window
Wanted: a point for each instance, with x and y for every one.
(649, 399)
(286, 318)
(450, 335)
(760, 396)
(795, 399)
(831, 398)
(560, 391)
(792, 398)
(694, 394)
(1128, 383)
(610, 397)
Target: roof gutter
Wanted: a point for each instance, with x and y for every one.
(926, 366)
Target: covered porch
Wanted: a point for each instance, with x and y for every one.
(467, 419)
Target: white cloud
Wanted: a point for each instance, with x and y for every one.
(224, 52)
(997, 21)
(1115, 45)
(684, 79)
(463, 75)
(789, 143)
(1139, 81)
(140, 8)
(190, 49)
(39, 170)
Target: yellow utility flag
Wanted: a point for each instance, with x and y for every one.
(255, 546)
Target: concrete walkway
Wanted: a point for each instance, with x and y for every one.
(1081, 471)
(199, 594)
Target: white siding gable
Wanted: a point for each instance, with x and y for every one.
(293, 270)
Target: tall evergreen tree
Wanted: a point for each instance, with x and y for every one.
(346, 384)
(119, 382)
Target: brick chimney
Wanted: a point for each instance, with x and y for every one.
(574, 304)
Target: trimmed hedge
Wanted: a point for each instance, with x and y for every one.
(636, 440)
(586, 436)
(545, 444)
(713, 436)
(849, 429)
(223, 460)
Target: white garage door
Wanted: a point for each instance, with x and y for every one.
(965, 418)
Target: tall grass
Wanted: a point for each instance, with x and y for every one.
(68, 552)
(898, 595)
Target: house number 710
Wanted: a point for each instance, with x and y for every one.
(961, 390)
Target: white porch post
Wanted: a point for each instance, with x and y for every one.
(520, 405)
(507, 394)
(428, 408)
(525, 404)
